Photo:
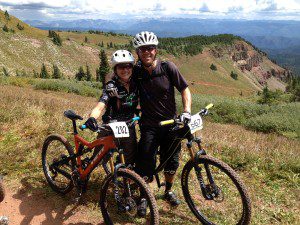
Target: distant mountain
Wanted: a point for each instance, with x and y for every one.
(176, 27)
(288, 57)
(276, 38)
(23, 51)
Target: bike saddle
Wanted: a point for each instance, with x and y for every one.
(72, 115)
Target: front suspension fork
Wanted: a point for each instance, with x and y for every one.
(195, 158)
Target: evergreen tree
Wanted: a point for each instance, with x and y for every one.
(103, 68)
(102, 44)
(88, 73)
(56, 39)
(5, 28)
(234, 75)
(85, 39)
(213, 67)
(80, 74)
(50, 34)
(44, 73)
(56, 72)
(111, 45)
(6, 15)
(35, 74)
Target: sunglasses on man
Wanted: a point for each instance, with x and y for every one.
(148, 48)
(124, 66)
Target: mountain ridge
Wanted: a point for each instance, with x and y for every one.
(27, 49)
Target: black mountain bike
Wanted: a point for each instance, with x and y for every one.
(212, 189)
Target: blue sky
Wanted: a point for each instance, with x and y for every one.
(120, 9)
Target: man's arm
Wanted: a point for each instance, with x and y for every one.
(186, 100)
(96, 112)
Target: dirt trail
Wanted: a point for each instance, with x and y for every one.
(25, 206)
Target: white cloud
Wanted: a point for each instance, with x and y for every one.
(248, 9)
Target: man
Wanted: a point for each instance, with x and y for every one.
(156, 81)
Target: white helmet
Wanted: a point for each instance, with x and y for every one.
(122, 56)
(144, 38)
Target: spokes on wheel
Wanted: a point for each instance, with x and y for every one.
(56, 163)
(120, 200)
(226, 200)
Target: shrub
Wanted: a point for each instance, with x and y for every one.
(269, 97)
(283, 118)
(20, 27)
(213, 67)
(80, 88)
(5, 28)
(5, 72)
(234, 75)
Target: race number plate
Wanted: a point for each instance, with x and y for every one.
(120, 129)
(196, 123)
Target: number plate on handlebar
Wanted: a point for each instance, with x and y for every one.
(120, 129)
(196, 123)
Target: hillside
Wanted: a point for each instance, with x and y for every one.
(26, 50)
(267, 163)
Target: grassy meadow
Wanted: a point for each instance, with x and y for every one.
(268, 163)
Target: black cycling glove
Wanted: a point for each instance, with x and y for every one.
(111, 89)
(91, 123)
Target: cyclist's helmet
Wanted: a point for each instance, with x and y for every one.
(122, 56)
(144, 38)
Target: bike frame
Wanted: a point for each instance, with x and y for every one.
(108, 144)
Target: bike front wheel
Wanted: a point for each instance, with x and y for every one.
(223, 198)
(57, 164)
(120, 197)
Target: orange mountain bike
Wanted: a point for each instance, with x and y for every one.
(120, 191)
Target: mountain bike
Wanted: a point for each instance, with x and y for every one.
(2, 191)
(3, 219)
(121, 189)
(212, 189)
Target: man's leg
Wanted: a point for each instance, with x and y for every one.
(146, 160)
(147, 150)
(170, 145)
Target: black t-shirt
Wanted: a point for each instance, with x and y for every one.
(156, 91)
(123, 108)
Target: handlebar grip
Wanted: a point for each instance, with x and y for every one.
(209, 106)
(166, 122)
(135, 118)
(82, 127)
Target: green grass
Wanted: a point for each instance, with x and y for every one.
(84, 88)
(281, 118)
(267, 163)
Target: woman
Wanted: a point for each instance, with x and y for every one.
(120, 106)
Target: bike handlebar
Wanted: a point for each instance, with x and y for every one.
(83, 126)
(172, 121)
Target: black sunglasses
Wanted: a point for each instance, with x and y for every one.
(148, 48)
(124, 66)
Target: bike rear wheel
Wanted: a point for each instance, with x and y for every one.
(57, 165)
(2, 191)
(230, 202)
(130, 187)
